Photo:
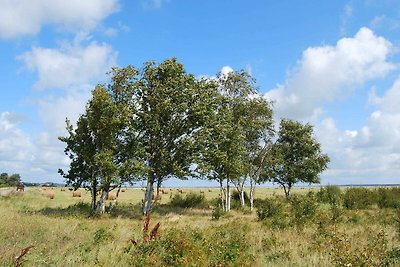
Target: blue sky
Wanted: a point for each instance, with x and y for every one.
(334, 64)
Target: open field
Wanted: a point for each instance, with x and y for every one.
(62, 232)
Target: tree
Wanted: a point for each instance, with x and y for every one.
(9, 180)
(172, 111)
(225, 156)
(93, 148)
(295, 157)
(258, 127)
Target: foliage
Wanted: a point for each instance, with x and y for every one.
(304, 209)
(9, 180)
(330, 194)
(295, 156)
(344, 254)
(190, 200)
(225, 246)
(269, 208)
(358, 198)
(388, 197)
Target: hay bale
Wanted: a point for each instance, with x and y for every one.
(111, 196)
(51, 195)
(123, 190)
(76, 193)
(62, 189)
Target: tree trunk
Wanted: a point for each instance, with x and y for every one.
(118, 191)
(287, 191)
(252, 191)
(228, 196)
(241, 196)
(101, 205)
(159, 181)
(148, 196)
(222, 193)
(94, 195)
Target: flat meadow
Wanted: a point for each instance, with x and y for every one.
(327, 226)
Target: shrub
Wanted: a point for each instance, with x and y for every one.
(227, 245)
(269, 208)
(343, 252)
(217, 213)
(388, 197)
(303, 209)
(191, 200)
(330, 194)
(358, 198)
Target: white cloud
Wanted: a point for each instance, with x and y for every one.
(327, 73)
(153, 3)
(370, 154)
(69, 65)
(26, 17)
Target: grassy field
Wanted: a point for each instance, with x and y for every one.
(63, 233)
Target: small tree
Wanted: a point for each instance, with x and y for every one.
(295, 157)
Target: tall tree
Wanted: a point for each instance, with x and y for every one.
(172, 110)
(225, 158)
(93, 147)
(258, 127)
(295, 157)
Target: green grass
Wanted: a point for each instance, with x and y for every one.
(63, 233)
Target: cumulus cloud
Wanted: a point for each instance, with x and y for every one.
(69, 65)
(370, 154)
(23, 17)
(327, 73)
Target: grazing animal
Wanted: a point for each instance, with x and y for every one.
(21, 187)
(62, 189)
(202, 192)
(76, 193)
(180, 191)
(111, 196)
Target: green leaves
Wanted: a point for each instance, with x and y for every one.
(295, 157)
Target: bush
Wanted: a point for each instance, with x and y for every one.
(330, 194)
(227, 245)
(358, 198)
(304, 209)
(269, 208)
(191, 200)
(388, 197)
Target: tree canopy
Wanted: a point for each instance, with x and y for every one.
(295, 157)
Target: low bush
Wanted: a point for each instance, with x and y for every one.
(269, 208)
(303, 209)
(358, 198)
(228, 245)
(330, 194)
(191, 200)
(388, 197)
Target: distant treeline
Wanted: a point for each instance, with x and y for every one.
(9, 180)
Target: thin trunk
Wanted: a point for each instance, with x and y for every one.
(101, 205)
(228, 195)
(252, 191)
(159, 181)
(148, 196)
(222, 193)
(118, 191)
(241, 196)
(94, 195)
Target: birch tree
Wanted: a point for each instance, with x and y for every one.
(295, 157)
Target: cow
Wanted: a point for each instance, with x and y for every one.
(20, 187)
